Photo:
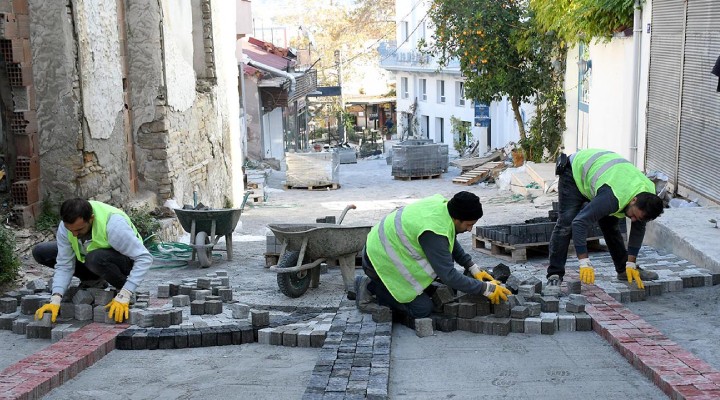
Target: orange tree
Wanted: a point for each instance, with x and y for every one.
(500, 49)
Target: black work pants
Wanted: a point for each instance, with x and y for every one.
(420, 307)
(570, 202)
(107, 264)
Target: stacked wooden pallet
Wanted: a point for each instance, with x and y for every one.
(480, 173)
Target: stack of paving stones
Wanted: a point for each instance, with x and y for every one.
(534, 230)
(308, 333)
(78, 308)
(202, 313)
(529, 310)
(354, 362)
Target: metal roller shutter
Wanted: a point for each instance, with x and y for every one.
(699, 161)
(664, 86)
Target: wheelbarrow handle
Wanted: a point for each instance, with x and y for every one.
(342, 216)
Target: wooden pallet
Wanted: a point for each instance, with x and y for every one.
(519, 252)
(478, 174)
(468, 164)
(330, 186)
(412, 178)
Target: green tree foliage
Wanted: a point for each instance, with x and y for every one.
(495, 42)
(9, 262)
(547, 126)
(462, 131)
(503, 52)
(353, 30)
(583, 20)
(146, 224)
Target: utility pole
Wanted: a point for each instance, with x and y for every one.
(341, 120)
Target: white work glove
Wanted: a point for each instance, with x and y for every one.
(120, 306)
(587, 273)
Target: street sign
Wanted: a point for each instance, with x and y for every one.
(482, 115)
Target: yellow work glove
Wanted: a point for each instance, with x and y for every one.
(587, 273)
(119, 306)
(482, 275)
(633, 274)
(495, 293)
(53, 306)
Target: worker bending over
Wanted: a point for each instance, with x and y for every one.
(413, 246)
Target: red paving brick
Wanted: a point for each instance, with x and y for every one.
(676, 371)
(37, 374)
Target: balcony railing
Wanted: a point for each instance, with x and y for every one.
(392, 58)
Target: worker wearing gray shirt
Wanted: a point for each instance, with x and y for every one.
(95, 242)
(415, 245)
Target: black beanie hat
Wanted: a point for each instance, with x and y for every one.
(465, 206)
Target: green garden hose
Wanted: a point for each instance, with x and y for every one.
(168, 255)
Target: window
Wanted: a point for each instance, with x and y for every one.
(404, 32)
(404, 87)
(460, 94)
(425, 126)
(423, 33)
(441, 91)
(439, 130)
(423, 89)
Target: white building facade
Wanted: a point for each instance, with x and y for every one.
(433, 96)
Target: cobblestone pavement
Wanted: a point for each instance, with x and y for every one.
(662, 349)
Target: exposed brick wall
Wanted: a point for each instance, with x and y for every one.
(209, 46)
(21, 118)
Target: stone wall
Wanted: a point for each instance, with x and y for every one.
(104, 94)
(186, 150)
(80, 118)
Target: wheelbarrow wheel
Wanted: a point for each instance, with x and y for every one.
(293, 284)
(204, 256)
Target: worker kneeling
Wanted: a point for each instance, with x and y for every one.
(413, 246)
(98, 244)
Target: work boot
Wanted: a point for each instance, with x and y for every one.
(552, 287)
(362, 294)
(645, 275)
(554, 280)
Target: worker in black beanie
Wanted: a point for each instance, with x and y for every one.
(416, 245)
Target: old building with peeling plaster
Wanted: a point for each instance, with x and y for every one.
(120, 101)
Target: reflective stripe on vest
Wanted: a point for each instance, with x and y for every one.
(601, 170)
(594, 168)
(413, 253)
(394, 249)
(590, 161)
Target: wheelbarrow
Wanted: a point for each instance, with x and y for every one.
(206, 227)
(305, 246)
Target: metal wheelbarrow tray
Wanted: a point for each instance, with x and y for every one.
(318, 242)
(206, 227)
